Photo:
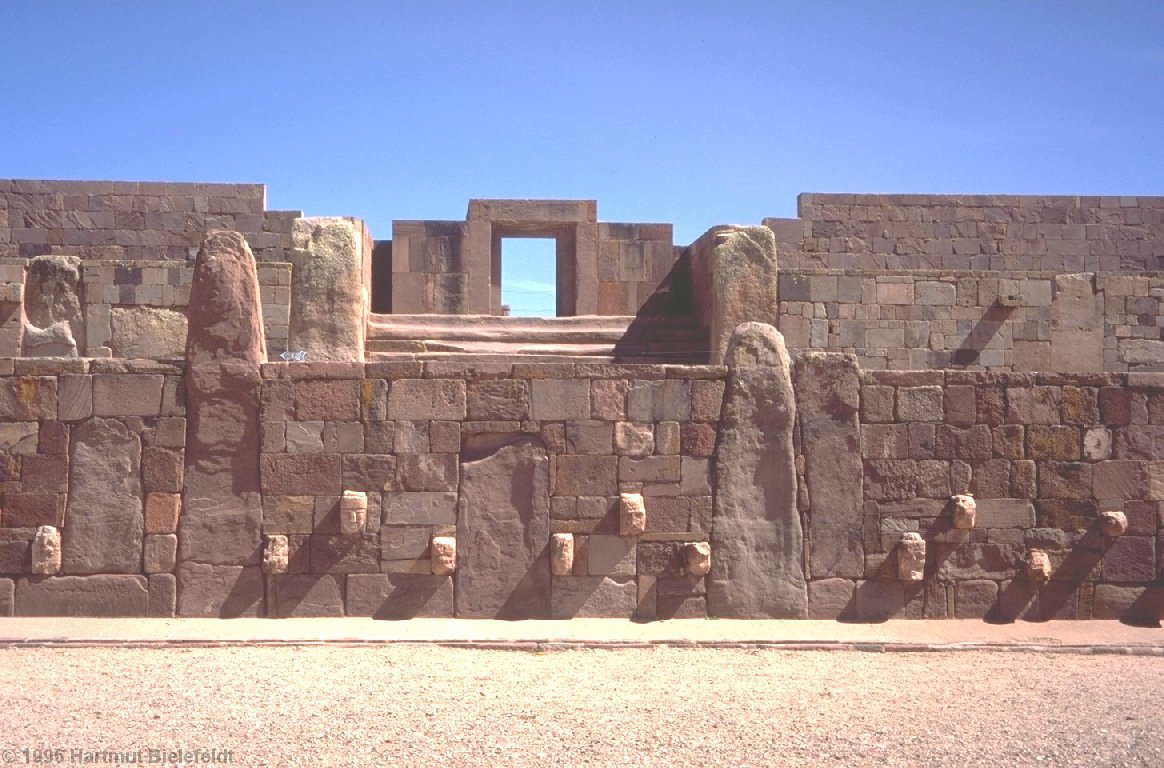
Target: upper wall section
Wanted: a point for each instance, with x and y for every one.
(454, 267)
(136, 221)
(973, 232)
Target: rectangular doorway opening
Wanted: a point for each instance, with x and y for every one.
(529, 276)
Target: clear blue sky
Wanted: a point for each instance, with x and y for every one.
(697, 113)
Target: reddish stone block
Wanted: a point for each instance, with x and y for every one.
(1064, 480)
(1080, 406)
(28, 398)
(161, 512)
(652, 469)
(1115, 406)
(586, 475)
(327, 400)
(1130, 559)
(589, 437)
(498, 399)
(427, 471)
(877, 404)
(444, 437)
(1117, 480)
(961, 405)
(54, 438)
(442, 399)
(127, 394)
(369, 472)
(161, 470)
(706, 400)
(1008, 441)
(301, 474)
(45, 473)
(1053, 442)
(920, 404)
(990, 404)
(697, 439)
(31, 510)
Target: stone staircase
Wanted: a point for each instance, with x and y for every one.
(597, 339)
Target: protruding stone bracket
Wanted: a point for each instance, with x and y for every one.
(353, 513)
(911, 557)
(562, 554)
(1113, 523)
(276, 554)
(46, 551)
(632, 514)
(697, 558)
(1038, 565)
(963, 511)
(443, 554)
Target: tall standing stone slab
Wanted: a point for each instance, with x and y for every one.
(503, 531)
(54, 324)
(757, 542)
(221, 517)
(104, 519)
(735, 277)
(828, 398)
(329, 301)
(1077, 319)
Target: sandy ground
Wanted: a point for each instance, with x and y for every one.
(343, 706)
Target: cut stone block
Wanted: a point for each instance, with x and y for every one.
(305, 596)
(159, 553)
(219, 591)
(102, 595)
(399, 596)
(594, 597)
(147, 332)
(55, 324)
(329, 304)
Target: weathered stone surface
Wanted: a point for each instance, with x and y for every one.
(1113, 522)
(562, 553)
(55, 324)
(697, 558)
(498, 399)
(28, 398)
(101, 595)
(975, 599)
(399, 596)
(46, 551)
(830, 599)
(163, 595)
(222, 591)
(1038, 565)
(503, 568)
(159, 553)
(827, 402)
(104, 513)
(305, 596)
(329, 305)
(632, 514)
(147, 332)
(420, 508)
(427, 471)
(427, 399)
(586, 475)
(911, 557)
(443, 554)
(758, 570)
(1130, 559)
(594, 597)
(610, 555)
(1132, 604)
(878, 600)
(353, 513)
(222, 508)
(19, 437)
(345, 554)
(276, 554)
(15, 549)
(737, 283)
(1076, 324)
(964, 511)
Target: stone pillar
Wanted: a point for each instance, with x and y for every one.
(734, 275)
(219, 529)
(1076, 324)
(757, 542)
(828, 397)
(329, 297)
(54, 324)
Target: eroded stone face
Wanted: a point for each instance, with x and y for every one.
(911, 557)
(46, 551)
(276, 554)
(328, 305)
(1113, 523)
(632, 514)
(964, 511)
(353, 512)
(51, 304)
(697, 558)
(1038, 565)
(444, 555)
(562, 554)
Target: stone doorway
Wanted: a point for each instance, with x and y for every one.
(503, 529)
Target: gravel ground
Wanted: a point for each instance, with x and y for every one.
(341, 706)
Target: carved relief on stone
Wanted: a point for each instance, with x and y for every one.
(697, 558)
(562, 553)
(964, 510)
(46, 551)
(911, 557)
(276, 554)
(51, 306)
(353, 512)
(1038, 565)
(1113, 522)
(632, 514)
(443, 555)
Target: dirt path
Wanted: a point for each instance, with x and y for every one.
(332, 706)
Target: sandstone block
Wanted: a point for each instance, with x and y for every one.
(219, 591)
(345, 554)
(442, 399)
(608, 399)
(706, 400)
(147, 332)
(329, 305)
(589, 437)
(127, 394)
(632, 514)
(305, 596)
(559, 399)
(28, 398)
(399, 596)
(159, 553)
(975, 599)
(420, 508)
(46, 551)
(610, 556)
(102, 595)
(631, 439)
(370, 473)
(1005, 513)
(276, 554)
(830, 599)
(1119, 480)
(15, 548)
(327, 400)
(163, 595)
(594, 597)
(586, 475)
(499, 399)
(288, 514)
(655, 401)
(427, 471)
(562, 554)
(651, 469)
(45, 474)
(161, 470)
(301, 474)
(920, 404)
(1130, 559)
(19, 438)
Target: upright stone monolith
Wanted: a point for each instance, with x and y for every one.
(222, 510)
(757, 542)
(54, 324)
(329, 303)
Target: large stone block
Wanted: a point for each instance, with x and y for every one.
(399, 596)
(419, 508)
(1077, 324)
(55, 325)
(305, 596)
(594, 596)
(105, 520)
(503, 568)
(329, 302)
(830, 598)
(147, 332)
(756, 536)
(219, 591)
(735, 279)
(559, 399)
(586, 475)
(442, 399)
(498, 399)
(102, 595)
(828, 399)
(127, 394)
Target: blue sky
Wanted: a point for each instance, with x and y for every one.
(696, 113)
